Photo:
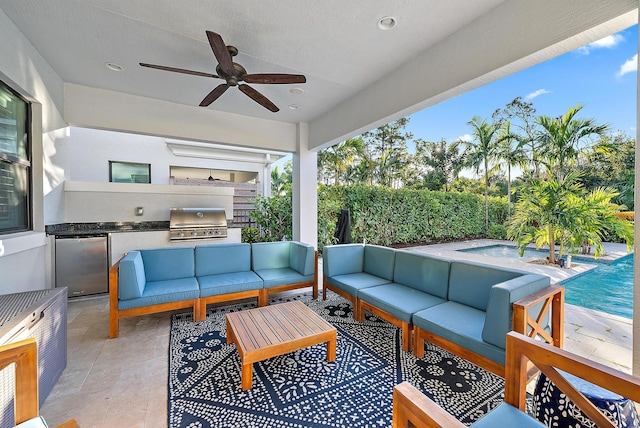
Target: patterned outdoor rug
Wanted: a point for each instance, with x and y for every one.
(302, 389)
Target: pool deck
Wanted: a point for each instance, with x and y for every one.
(596, 335)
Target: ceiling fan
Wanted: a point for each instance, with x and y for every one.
(233, 73)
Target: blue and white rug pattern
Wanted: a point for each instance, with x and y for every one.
(301, 389)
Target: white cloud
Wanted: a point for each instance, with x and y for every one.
(604, 43)
(465, 137)
(537, 93)
(629, 66)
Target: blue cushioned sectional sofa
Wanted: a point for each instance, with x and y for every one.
(163, 279)
(462, 306)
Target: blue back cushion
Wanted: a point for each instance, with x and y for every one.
(422, 272)
(342, 259)
(161, 264)
(131, 276)
(379, 261)
(301, 258)
(498, 321)
(270, 255)
(222, 258)
(470, 283)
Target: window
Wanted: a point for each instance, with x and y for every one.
(15, 162)
(127, 172)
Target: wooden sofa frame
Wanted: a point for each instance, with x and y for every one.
(199, 305)
(551, 298)
(411, 408)
(24, 354)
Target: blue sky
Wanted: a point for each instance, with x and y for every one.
(601, 76)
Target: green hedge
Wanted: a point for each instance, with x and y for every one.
(386, 216)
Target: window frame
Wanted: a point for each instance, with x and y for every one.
(26, 163)
(112, 163)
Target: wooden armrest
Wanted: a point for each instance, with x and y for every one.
(549, 359)
(552, 299)
(411, 408)
(25, 356)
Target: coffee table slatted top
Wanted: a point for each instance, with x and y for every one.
(274, 330)
(284, 326)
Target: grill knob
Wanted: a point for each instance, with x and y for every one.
(181, 234)
(194, 233)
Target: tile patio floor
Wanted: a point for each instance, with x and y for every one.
(123, 382)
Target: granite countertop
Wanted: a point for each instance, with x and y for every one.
(81, 229)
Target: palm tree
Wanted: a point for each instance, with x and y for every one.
(480, 151)
(445, 160)
(510, 149)
(551, 211)
(561, 138)
(335, 160)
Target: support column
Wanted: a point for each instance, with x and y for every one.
(636, 246)
(305, 189)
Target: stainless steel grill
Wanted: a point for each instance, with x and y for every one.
(197, 223)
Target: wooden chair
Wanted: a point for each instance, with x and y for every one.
(411, 408)
(25, 356)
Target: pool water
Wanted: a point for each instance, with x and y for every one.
(507, 252)
(607, 288)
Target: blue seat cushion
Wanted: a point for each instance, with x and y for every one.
(505, 415)
(225, 283)
(353, 282)
(470, 283)
(342, 259)
(157, 292)
(422, 272)
(460, 324)
(162, 264)
(222, 258)
(270, 255)
(131, 277)
(399, 300)
(379, 261)
(301, 258)
(281, 276)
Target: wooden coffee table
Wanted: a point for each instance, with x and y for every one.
(274, 330)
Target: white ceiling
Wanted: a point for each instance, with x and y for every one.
(336, 44)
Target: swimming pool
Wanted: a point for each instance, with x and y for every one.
(607, 288)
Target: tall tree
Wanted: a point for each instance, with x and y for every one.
(334, 161)
(443, 161)
(510, 149)
(387, 146)
(480, 151)
(563, 138)
(521, 116)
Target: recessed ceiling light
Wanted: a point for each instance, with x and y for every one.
(113, 66)
(386, 23)
(296, 91)
(293, 106)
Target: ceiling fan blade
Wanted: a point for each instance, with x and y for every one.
(274, 78)
(220, 51)
(214, 95)
(179, 70)
(259, 98)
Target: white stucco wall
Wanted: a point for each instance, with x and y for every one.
(84, 154)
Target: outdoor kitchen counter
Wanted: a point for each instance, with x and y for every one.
(127, 236)
(82, 229)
